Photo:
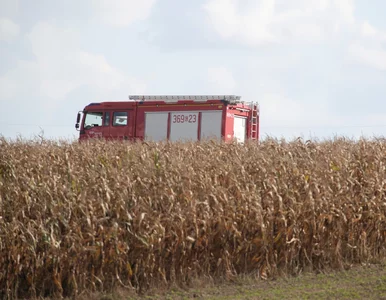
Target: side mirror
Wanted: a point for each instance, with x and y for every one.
(77, 121)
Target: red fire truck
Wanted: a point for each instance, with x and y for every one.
(171, 117)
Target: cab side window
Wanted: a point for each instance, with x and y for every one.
(120, 119)
(107, 119)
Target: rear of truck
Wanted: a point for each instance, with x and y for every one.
(193, 118)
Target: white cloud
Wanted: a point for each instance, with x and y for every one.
(61, 66)
(310, 32)
(373, 57)
(277, 109)
(368, 49)
(221, 80)
(250, 27)
(21, 82)
(8, 87)
(369, 31)
(121, 13)
(267, 21)
(9, 8)
(8, 30)
(345, 9)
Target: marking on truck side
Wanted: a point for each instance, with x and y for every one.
(182, 118)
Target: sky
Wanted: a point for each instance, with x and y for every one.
(317, 68)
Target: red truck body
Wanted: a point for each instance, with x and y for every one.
(174, 118)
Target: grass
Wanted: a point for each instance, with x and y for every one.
(359, 282)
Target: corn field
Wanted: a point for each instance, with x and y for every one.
(98, 216)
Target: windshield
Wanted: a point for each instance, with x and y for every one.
(93, 119)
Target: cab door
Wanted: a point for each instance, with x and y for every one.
(106, 124)
(122, 124)
(96, 124)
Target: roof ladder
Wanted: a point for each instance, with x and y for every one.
(255, 121)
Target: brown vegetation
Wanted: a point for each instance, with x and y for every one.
(94, 216)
